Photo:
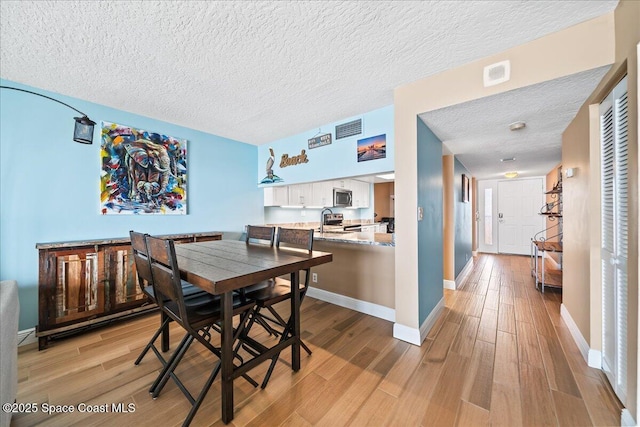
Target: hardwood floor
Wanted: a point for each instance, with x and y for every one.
(499, 354)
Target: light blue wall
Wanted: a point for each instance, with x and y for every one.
(50, 185)
(463, 219)
(430, 235)
(337, 160)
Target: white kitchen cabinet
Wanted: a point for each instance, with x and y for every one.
(342, 183)
(276, 196)
(360, 191)
(301, 194)
(322, 194)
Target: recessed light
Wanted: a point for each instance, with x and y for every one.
(508, 159)
(517, 125)
(511, 174)
(387, 176)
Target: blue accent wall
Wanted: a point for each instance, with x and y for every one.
(463, 219)
(430, 234)
(50, 185)
(336, 160)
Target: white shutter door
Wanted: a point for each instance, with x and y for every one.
(614, 187)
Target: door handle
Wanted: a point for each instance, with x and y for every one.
(500, 215)
(614, 261)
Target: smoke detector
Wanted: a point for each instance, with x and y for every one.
(497, 73)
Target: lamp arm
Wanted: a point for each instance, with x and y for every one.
(44, 96)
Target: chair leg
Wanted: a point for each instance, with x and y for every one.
(285, 335)
(151, 344)
(167, 372)
(205, 389)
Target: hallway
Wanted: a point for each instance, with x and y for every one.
(511, 360)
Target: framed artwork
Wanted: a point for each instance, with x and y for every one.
(143, 172)
(465, 188)
(372, 148)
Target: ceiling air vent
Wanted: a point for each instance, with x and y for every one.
(497, 73)
(349, 129)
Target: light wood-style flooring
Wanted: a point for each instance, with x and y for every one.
(499, 354)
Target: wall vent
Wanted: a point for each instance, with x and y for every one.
(349, 129)
(497, 73)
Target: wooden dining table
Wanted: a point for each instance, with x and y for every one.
(223, 266)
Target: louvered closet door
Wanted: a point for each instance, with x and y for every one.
(614, 187)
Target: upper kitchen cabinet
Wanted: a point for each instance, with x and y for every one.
(276, 196)
(360, 190)
(301, 194)
(322, 194)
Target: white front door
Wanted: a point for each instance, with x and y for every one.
(519, 219)
(486, 216)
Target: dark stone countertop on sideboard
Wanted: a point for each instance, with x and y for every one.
(124, 240)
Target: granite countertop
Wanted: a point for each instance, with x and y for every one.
(359, 238)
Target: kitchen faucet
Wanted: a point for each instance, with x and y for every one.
(322, 218)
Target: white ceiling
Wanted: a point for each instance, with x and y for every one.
(477, 132)
(259, 71)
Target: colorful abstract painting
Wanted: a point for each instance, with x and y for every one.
(372, 148)
(142, 172)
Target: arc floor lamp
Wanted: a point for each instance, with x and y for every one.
(83, 131)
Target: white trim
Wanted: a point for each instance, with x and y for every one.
(474, 253)
(592, 357)
(464, 273)
(449, 284)
(626, 420)
(431, 319)
(416, 336)
(27, 336)
(365, 307)
(405, 333)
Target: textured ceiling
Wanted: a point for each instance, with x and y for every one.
(259, 71)
(477, 132)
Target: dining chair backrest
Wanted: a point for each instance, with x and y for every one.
(296, 238)
(166, 275)
(141, 259)
(260, 234)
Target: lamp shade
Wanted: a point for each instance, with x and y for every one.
(83, 131)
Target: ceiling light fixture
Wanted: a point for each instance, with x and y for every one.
(517, 125)
(511, 174)
(83, 130)
(508, 159)
(387, 176)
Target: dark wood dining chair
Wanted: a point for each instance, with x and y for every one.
(278, 290)
(197, 320)
(145, 281)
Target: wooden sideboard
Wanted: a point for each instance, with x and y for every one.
(88, 283)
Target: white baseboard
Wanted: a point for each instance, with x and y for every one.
(365, 307)
(592, 357)
(474, 253)
(28, 336)
(464, 273)
(416, 336)
(626, 420)
(449, 284)
(405, 333)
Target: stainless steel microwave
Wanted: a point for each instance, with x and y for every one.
(342, 198)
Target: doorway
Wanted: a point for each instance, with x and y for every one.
(509, 214)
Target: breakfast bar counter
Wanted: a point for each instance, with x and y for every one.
(359, 238)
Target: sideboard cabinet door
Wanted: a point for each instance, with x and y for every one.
(122, 279)
(72, 286)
